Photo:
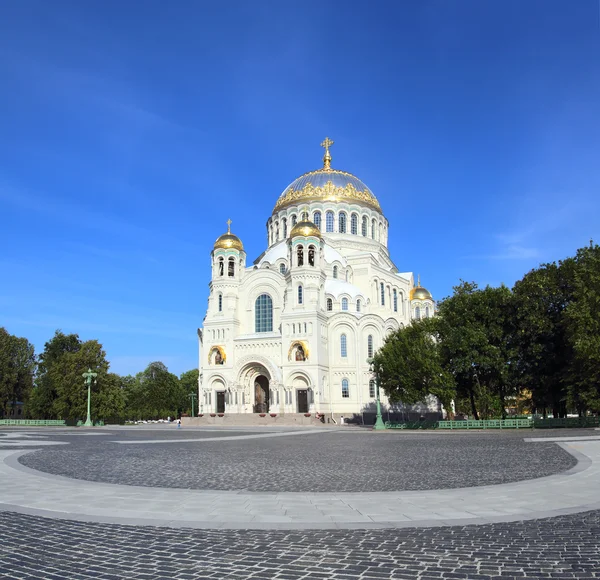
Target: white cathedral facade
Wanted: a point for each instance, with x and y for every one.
(292, 331)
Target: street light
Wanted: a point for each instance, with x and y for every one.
(379, 424)
(88, 379)
(193, 397)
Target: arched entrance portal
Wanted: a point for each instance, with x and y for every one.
(261, 394)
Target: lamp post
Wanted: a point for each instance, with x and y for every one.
(193, 397)
(379, 424)
(89, 376)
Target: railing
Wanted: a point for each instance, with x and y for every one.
(34, 422)
(489, 424)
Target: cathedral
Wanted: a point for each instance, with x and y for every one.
(292, 332)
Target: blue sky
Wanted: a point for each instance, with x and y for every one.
(131, 131)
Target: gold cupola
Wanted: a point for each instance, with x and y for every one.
(229, 241)
(306, 228)
(327, 184)
(420, 293)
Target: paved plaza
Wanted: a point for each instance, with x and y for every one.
(296, 503)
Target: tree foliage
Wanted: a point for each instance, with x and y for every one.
(155, 393)
(474, 330)
(17, 370)
(538, 344)
(61, 391)
(409, 366)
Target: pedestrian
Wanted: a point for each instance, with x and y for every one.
(178, 423)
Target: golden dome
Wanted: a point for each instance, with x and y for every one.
(229, 241)
(420, 293)
(327, 184)
(305, 228)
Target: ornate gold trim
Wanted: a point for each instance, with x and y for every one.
(328, 192)
(296, 343)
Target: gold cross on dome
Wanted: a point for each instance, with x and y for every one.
(228, 226)
(327, 157)
(327, 144)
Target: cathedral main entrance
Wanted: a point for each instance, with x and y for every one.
(261, 394)
(302, 400)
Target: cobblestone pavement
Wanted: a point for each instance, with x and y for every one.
(562, 547)
(334, 461)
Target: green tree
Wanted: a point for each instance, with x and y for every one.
(17, 370)
(61, 392)
(410, 366)
(44, 393)
(542, 350)
(189, 386)
(474, 330)
(582, 329)
(155, 393)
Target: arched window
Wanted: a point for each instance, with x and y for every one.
(354, 224)
(282, 268)
(263, 314)
(364, 226)
(373, 228)
(317, 219)
(343, 346)
(276, 231)
(284, 228)
(220, 302)
(329, 304)
(344, 303)
(221, 267)
(345, 389)
(300, 294)
(311, 255)
(370, 346)
(231, 267)
(342, 222)
(293, 220)
(329, 221)
(372, 394)
(300, 253)
(358, 305)
(382, 292)
(395, 300)
(381, 232)
(418, 313)
(426, 311)
(335, 272)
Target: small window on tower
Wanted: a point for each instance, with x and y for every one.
(231, 267)
(329, 304)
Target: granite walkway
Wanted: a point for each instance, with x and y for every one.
(28, 491)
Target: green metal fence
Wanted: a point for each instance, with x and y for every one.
(489, 424)
(34, 422)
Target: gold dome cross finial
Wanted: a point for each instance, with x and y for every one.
(228, 226)
(327, 157)
(419, 280)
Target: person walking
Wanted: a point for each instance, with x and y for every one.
(178, 423)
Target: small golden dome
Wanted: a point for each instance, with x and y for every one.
(229, 241)
(305, 228)
(420, 293)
